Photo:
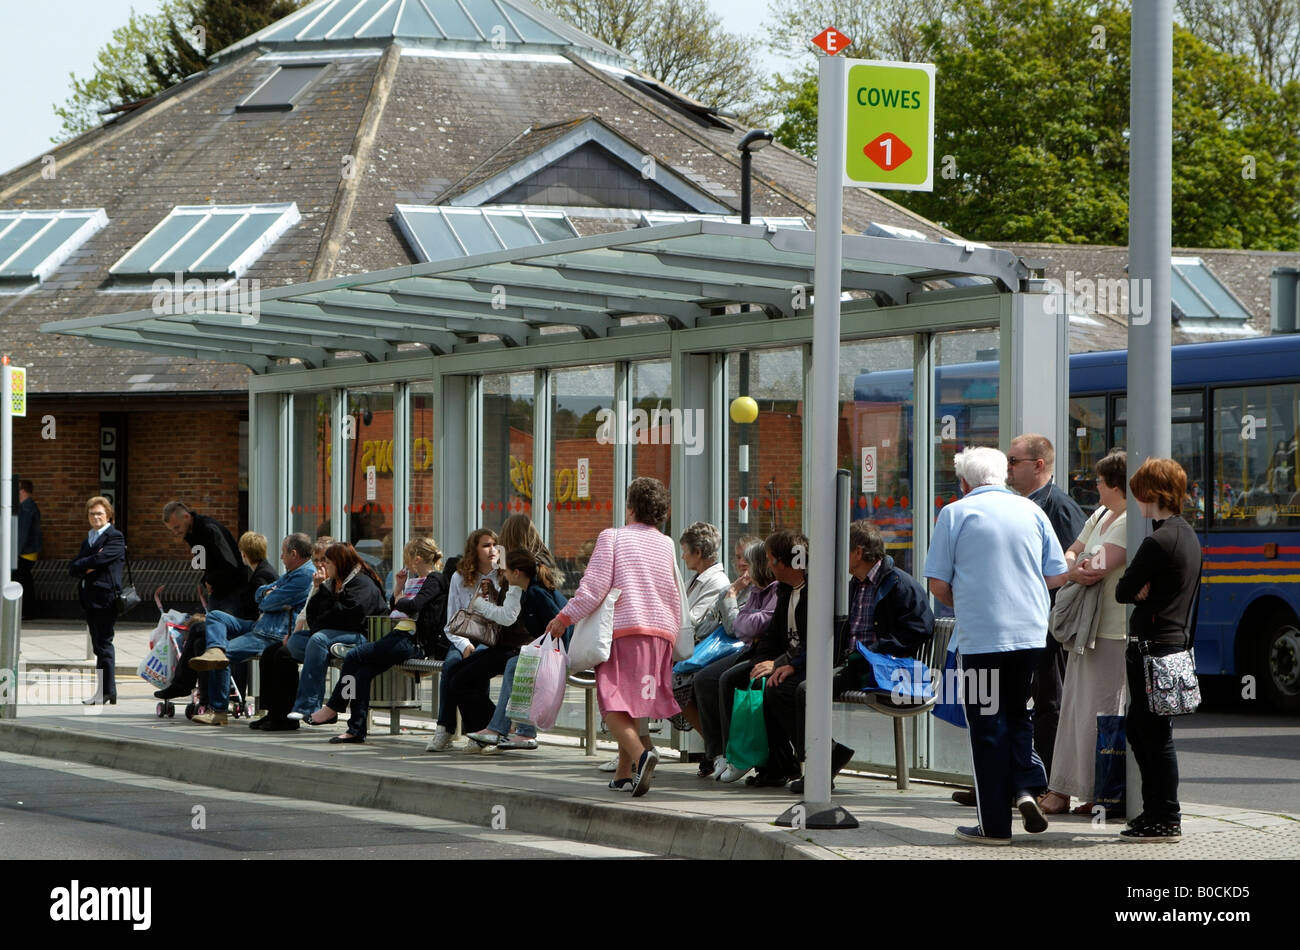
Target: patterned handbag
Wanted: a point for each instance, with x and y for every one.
(1172, 689)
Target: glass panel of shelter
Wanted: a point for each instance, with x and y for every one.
(370, 465)
(581, 500)
(764, 454)
(311, 465)
(421, 472)
(506, 450)
(875, 437)
(966, 381)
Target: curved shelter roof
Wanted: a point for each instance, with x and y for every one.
(490, 25)
(681, 273)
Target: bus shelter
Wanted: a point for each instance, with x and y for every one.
(439, 397)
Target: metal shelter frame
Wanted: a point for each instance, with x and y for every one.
(668, 292)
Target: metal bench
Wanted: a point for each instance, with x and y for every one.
(934, 655)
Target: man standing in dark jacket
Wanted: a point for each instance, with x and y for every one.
(224, 574)
(1029, 471)
(29, 545)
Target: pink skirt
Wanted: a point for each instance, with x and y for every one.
(637, 679)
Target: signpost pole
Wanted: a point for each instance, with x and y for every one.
(10, 592)
(817, 811)
(1150, 226)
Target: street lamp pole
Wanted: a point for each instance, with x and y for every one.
(753, 140)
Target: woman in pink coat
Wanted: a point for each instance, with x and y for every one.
(636, 681)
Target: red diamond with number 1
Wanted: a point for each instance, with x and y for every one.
(832, 41)
(888, 151)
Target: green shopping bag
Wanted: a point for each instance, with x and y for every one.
(747, 742)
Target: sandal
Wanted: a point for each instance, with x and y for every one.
(1054, 803)
(313, 721)
(1085, 809)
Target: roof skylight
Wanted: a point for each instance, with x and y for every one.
(208, 240)
(34, 243)
(440, 233)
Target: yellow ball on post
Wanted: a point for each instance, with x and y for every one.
(743, 410)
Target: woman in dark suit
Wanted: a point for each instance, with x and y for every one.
(98, 568)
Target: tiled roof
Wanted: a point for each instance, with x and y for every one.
(1245, 273)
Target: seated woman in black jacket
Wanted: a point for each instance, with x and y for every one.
(529, 605)
(426, 603)
(346, 591)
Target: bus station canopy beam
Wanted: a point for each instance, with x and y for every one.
(677, 272)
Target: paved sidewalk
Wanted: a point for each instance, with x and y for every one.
(556, 789)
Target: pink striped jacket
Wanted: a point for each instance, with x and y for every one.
(642, 569)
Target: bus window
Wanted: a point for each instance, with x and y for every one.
(1256, 453)
(1087, 445)
(1187, 447)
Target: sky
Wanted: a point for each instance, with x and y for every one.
(42, 43)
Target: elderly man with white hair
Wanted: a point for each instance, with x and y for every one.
(993, 558)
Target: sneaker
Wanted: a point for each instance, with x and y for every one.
(213, 658)
(441, 741)
(340, 650)
(1148, 831)
(611, 765)
(515, 741)
(623, 785)
(470, 747)
(215, 718)
(645, 770)
(975, 834)
(296, 716)
(719, 766)
(732, 774)
(1031, 813)
(484, 737)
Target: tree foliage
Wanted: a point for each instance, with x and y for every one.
(154, 52)
(1031, 129)
(681, 43)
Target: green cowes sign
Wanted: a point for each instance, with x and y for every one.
(889, 117)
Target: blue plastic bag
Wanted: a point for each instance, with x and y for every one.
(949, 707)
(713, 647)
(905, 679)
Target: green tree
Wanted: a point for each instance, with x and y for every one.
(154, 52)
(680, 43)
(1031, 130)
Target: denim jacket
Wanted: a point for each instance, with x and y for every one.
(280, 601)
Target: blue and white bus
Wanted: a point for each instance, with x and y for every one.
(1235, 429)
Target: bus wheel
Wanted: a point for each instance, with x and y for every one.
(1279, 664)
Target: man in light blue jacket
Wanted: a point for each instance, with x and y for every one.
(232, 640)
(993, 557)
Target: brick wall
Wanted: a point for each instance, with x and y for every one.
(192, 455)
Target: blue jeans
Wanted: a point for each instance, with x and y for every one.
(244, 645)
(361, 666)
(500, 722)
(313, 651)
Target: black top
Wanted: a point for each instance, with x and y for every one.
(264, 573)
(98, 567)
(1170, 560)
(347, 611)
(224, 570)
(429, 608)
(1062, 511)
(785, 647)
(537, 608)
(29, 528)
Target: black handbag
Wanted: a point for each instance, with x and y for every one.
(127, 599)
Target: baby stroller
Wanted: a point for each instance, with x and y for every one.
(188, 635)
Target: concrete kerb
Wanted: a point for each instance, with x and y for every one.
(613, 825)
